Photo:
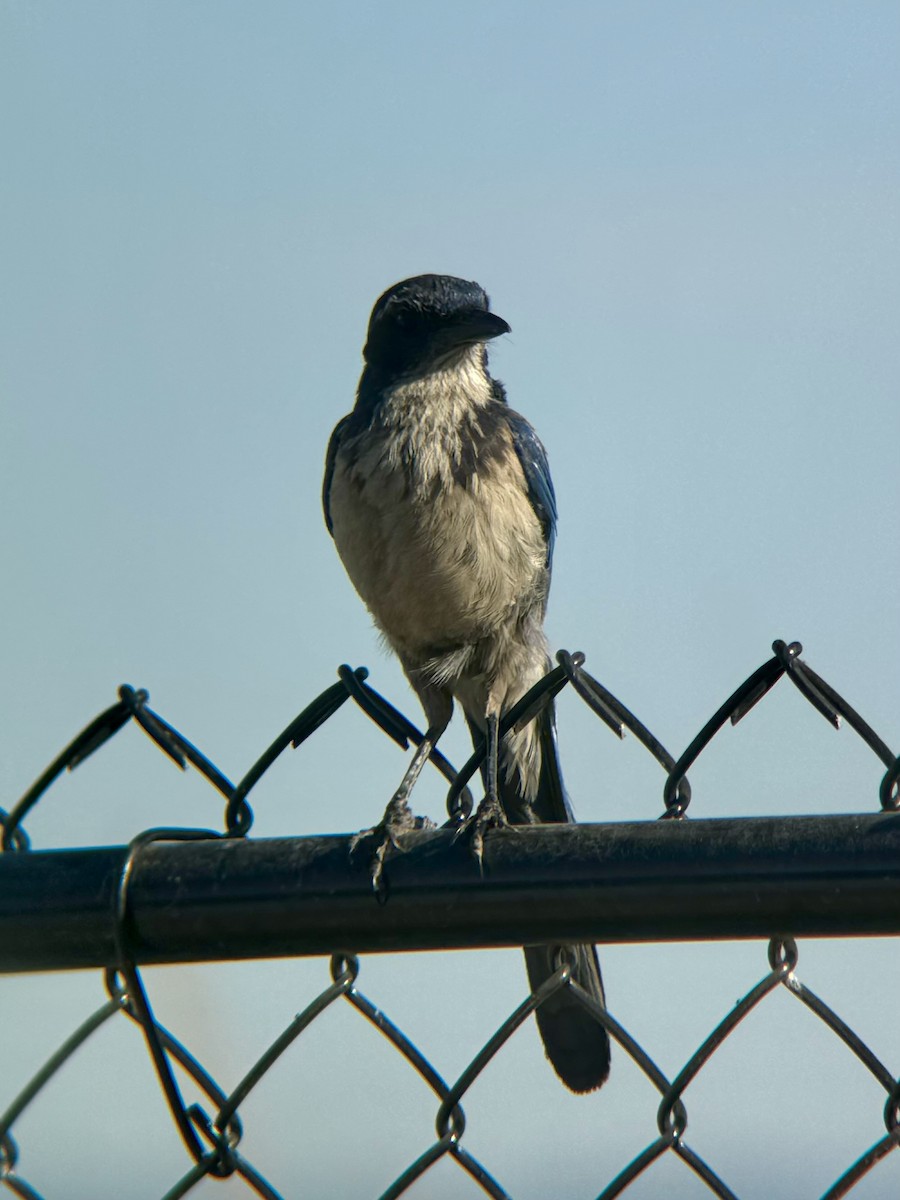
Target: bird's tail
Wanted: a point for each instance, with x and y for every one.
(576, 1045)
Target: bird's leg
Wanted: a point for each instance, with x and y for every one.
(489, 814)
(398, 817)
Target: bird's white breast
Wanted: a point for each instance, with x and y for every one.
(440, 560)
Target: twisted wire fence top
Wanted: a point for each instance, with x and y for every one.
(133, 704)
(211, 1128)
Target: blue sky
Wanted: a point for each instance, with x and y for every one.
(689, 215)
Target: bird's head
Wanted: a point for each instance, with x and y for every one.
(426, 323)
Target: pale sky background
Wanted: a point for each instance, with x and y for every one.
(689, 213)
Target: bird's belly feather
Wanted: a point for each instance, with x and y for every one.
(441, 574)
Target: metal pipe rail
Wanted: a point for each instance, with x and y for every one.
(224, 898)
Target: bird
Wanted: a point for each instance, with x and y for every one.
(439, 500)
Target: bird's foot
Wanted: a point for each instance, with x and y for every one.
(398, 820)
(488, 815)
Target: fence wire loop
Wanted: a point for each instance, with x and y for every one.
(889, 791)
(892, 1110)
(783, 955)
(223, 1160)
(9, 1155)
(563, 959)
(672, 1120)
(212, 1130)
(344, 969)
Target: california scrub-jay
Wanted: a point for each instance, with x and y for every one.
(439, 500)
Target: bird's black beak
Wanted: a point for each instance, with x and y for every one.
(479, 327)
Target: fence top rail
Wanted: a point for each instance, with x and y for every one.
(197, 896)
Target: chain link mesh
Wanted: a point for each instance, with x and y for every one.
(212, 1129)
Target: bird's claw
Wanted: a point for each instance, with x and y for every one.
(398, 819)
(488, 815)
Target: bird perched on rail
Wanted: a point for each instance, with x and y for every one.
(439, 499)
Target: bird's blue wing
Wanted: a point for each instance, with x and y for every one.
(330, 456)
(533, 457)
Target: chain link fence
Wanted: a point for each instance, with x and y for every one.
(191, 894)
